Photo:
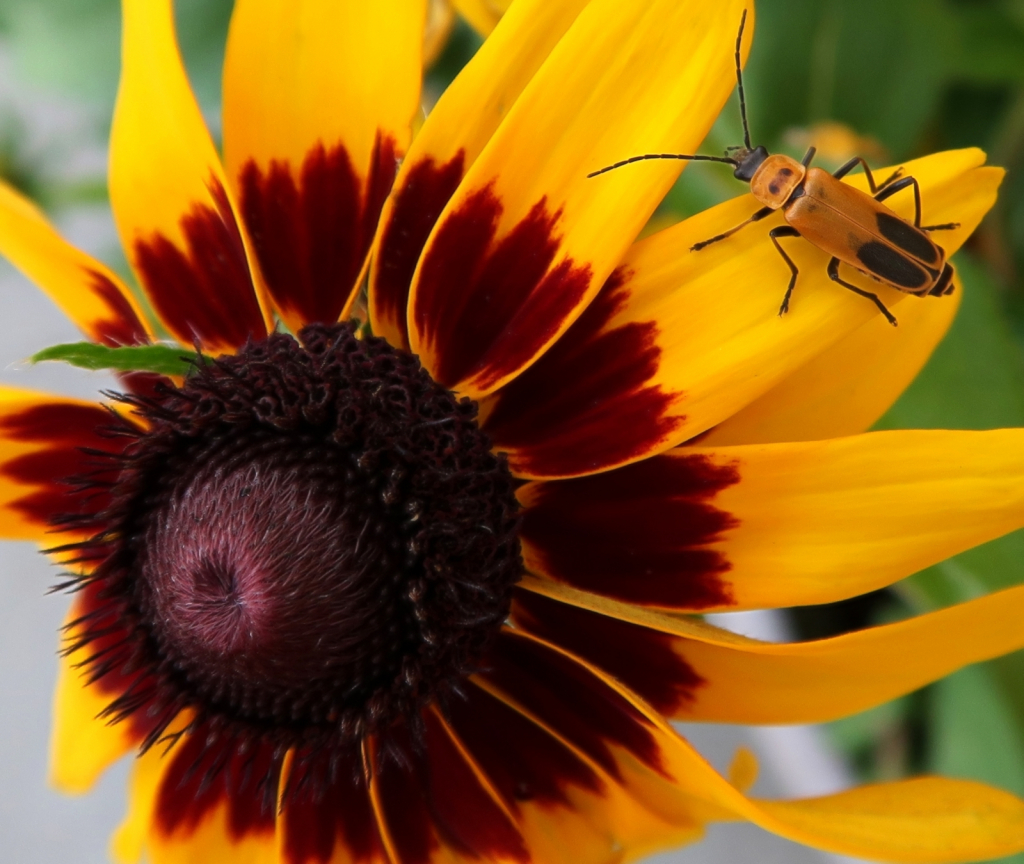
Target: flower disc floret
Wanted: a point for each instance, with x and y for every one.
(310, 536)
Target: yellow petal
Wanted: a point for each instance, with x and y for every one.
(454, 134)
(319, 98)
(88, 292)
(528, 240)
(173, 210)
(743, 769)
(678, 341)
(483, 15)
(849, 385)
(821, 521)
(761, 526)
(82, 745)
(925, 819)
(438, 27)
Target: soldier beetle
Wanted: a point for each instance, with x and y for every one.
(853, 227)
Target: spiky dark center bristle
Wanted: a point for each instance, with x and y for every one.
(313, 540)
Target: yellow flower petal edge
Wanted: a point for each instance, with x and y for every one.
(173, 209)
(585, 104)
(848, 386)
(319, 99)
(87, 291)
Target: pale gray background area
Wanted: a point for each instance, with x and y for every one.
(39, 826)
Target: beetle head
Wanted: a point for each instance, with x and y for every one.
(747, 161)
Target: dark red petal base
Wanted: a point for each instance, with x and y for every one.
(311, 232)
(586, 403)
(638, 534)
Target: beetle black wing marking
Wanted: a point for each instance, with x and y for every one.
(944, 285)
(893, 267)
(907, 237)
(833, 274)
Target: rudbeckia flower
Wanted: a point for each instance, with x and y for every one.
(428, 590)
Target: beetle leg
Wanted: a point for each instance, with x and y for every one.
(775, 233)
(890, 179)
(945, 226)
(833, 274)
(757, 217)
(846, 168)
(889, 191)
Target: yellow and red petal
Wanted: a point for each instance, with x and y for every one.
(527, 240)
(42, 463)
(87, 291)
(692, 671)
(202, 803)
(501, 777)
(574, 762)
(927, 819)
(171, 203)
(319, 99)
(433, 807)
(772, 525)
(679, 341)
(328, 819)
(452, 137)
(846, 387)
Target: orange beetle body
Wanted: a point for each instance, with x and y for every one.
(853, 227)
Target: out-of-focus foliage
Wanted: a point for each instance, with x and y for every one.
(903, 78)
(73, 46)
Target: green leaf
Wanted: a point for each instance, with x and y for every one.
(875, 65)
(72, 46)
(162, 359)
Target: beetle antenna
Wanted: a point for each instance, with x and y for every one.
(631, 159)
(739, 83)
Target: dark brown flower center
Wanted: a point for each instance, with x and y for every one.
(312, 536)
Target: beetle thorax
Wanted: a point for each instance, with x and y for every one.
(776, 179)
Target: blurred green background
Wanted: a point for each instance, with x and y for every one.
(905, 77)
